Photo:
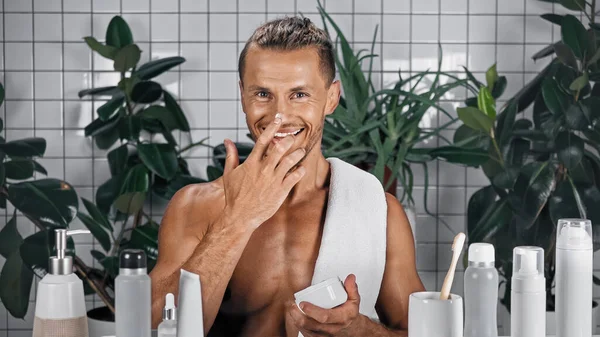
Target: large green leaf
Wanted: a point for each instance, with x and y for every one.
(19, 169)
(486, 103)
(10, 239)
(532, 190)
(103, 91)
(154, 68)
(146, 92)
(118, 34)
(575, 5)
(580, 82)
(506, 179)
(96, 229)
(129, 128)
(528, 93)
(467, 137)
(96, 214)
(154, 125)
(574, 35)
(37, 249)
(554, 18)
(133, 191)
(117, 159)
(26, 147)
(591, 200)
(499, 87)
(491, 75)
(479, 202)
(569, 149)
(161, 159)
(555, 99)
(475, 119)
(127, 58)
(99, 126)
(178, 117)
(108, 52)
(518, 151)
(565, 55)
(465, 156)
(506, 121)
(111, 108)
(52, 202)
(577, 116)
(15, 285)
(495, 219)
(563, 203)
(106, 139)
(108, 192)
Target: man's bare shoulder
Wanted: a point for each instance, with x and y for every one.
(195, 205)
(398, 224)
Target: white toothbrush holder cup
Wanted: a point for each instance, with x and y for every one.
(428, 316)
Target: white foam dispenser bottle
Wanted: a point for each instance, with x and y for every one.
(60, 303)
(574, 273)
(528, 293)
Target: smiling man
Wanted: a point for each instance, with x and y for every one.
(256, 234)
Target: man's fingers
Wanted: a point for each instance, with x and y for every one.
(265, 138)
(232, 160)
(293, 178)
(308, 324)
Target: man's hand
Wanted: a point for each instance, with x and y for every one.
(256, 189)
(338, 321)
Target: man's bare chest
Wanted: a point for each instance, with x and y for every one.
(278, 260)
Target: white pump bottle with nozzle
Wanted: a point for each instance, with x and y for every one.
(528, 293)
(574, 273)
(60, 303)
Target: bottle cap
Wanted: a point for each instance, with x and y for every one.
(528, 269)
(169, 311)
(575, 234)
(481, 253)
(132, 259)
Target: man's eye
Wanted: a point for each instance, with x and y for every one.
(262, 94)
(300, 95)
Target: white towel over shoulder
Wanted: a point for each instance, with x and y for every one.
(354, 234)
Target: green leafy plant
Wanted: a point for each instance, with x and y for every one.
(135, 125)
(379, 130)
(48, 203)
(544, 168)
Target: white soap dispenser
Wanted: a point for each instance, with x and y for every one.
(60, 302)
(574, 274)
(528, 293)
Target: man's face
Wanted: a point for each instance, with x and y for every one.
(290, 83)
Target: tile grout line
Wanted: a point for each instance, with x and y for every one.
(4, 122)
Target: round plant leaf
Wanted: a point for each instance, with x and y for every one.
(133, 191)
(10, 239)
(96, 214)
(108, 52)
(479, 203)
(26, 147)
(15, 285)
(577, 116)
(569, 149)
(565, 203)
(127, 58)
(574, 34)
(532, 190)
(118, 34)
(555, 99)
(179, 120)
(565, 55)
(475, 119)
(154, 68)
(99, 126)
(106, 139)
(108, 192)
(117, 159)
(111, 108)
(146, 92)
(52, 202)
(161, 159)
(96, 229)
(19, 169)
(467, 137)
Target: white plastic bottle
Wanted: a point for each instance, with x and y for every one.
(132, 296)
(168, 327)
(528, 293)
(60, 306)
(574, 270)
(481, 292)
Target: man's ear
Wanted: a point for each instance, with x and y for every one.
(333, 97)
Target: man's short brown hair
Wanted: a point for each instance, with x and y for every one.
(293, 33)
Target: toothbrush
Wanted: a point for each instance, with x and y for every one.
(457, 247)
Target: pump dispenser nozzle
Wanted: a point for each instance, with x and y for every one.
(62, 264)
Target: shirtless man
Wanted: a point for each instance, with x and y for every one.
(254, 234)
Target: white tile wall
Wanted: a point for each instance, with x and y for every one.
(43, 75)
